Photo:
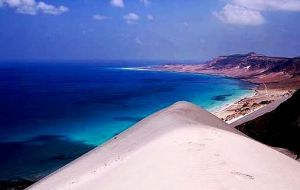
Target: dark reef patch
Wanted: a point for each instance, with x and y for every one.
(221, 97)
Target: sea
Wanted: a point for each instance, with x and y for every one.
(53, 112)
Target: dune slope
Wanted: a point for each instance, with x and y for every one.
(180, 147)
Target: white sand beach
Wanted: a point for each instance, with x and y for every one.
(182, 147)
(252, 106)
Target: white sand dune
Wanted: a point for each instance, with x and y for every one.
(179, 148)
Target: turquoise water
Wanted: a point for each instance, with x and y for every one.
(71, 108)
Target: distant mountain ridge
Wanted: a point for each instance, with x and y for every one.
(257, 62)
(252, 67)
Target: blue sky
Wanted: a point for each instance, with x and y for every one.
(147, 29)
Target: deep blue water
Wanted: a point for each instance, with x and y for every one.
(51, 113)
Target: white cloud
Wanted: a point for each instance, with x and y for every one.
(101, 17)
(50, 9)
(234, 14)
(31, 7)
(249, 12)
(145, 2)
(131, 18)
(117, 3)
(150, 17)
(261, 5)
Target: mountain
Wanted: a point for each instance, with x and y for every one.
(252, 67)
(255, 62)
(255, 67)
(279, 128)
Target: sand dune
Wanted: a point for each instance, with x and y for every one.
(179, 148)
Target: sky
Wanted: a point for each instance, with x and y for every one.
(147, 29)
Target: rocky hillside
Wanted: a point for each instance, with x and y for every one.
(254, 64)
(252, 67)
(255, 61)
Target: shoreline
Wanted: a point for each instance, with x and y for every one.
(260, 111)
(219, 110)
(240, 108)
(229, 103)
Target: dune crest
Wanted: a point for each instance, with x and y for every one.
(180, 147)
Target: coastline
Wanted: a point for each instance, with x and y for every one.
(218, 110)
(227, 104)
(246, 107)
(242, 108)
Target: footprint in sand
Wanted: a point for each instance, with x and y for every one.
(242, 175)
(195, 146)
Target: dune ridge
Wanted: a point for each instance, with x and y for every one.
(180, 147)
